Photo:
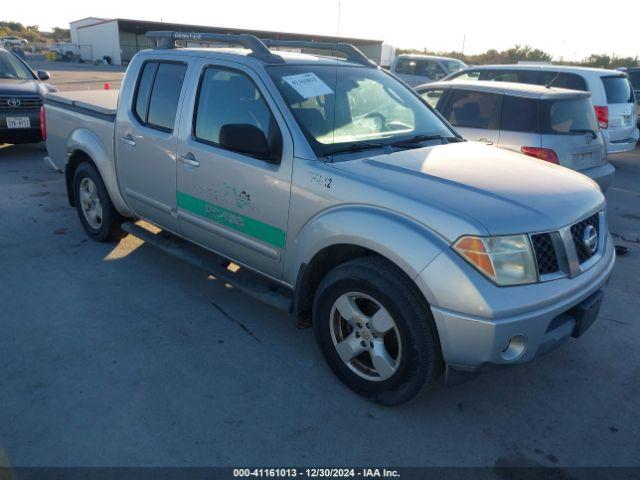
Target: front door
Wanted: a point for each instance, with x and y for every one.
(146, 143)
(231, 202)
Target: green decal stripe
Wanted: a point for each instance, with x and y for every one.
(247, 225)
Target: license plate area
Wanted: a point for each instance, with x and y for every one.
(18, 122)
(585, 313)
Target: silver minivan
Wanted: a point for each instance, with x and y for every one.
(611, 94)
(552, 124)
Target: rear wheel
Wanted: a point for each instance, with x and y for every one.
(97, 214)
(375, 331)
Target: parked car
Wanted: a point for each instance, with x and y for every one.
(13, 42)
(552, 124)
(344, 199)
(419, 69)
(611, 93)
(21, 94)
(634, 78)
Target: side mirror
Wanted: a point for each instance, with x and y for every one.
(247, 139)
(43, 75)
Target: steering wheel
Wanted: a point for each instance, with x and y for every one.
(396, 125)
(381, 117)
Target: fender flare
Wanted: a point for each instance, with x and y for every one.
(409, 245)
(87, 142)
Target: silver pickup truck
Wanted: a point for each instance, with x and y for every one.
(337, 194)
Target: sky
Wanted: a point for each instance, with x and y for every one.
(566, 29)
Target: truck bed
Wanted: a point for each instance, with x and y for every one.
(103, 102)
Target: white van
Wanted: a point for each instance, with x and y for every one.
(611, 93)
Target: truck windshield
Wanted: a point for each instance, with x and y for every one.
(12, 68)
(349, 108)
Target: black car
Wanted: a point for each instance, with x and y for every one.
(21, 94)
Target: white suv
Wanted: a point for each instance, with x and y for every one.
(611, 93)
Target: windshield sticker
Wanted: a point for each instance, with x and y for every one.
(308, 85)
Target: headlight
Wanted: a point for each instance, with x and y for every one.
(506, 260)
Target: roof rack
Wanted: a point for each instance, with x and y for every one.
(352, 53)
(259, 48)
(167, 39)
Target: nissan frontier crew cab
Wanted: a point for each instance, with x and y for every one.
(344, 199)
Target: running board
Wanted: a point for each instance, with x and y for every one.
(245, 281)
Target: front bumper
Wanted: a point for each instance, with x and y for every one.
(478, 322)
(602, 175)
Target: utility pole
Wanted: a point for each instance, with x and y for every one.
(464, 39)
(339, 18)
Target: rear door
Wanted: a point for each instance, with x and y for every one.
(234, 203)
(475, 114)
(145, 142)
(519, 124)
(622, 107)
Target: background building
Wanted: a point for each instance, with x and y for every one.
(120, 39)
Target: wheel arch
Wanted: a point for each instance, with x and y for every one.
(347, 233)
(84, 145)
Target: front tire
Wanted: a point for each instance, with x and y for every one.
(376, 331)
(97, 214)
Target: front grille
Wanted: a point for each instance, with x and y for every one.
(577, 233)
(7, 102)
(545, 253)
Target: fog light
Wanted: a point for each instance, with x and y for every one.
(514, 348)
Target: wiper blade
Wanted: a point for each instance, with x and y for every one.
(423, 138)
(358, 146)
(585, 130)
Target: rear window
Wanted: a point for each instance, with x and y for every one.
(635, 79)
(570, 116)
(156, 100)
(519, 114)
(618, 89)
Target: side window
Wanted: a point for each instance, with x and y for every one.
(432, 96)
(469, 75)
(473, 109)
(229, 97)
(406, 66)
(571, 81)
(144, 91)
(519, 114)
(157, 95)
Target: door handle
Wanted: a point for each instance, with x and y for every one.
(189, 159)
(128, 140)
(485, 140)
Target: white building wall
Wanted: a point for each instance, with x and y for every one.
(104, 40)
(74, 26)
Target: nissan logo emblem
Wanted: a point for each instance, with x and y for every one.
(13, 102)
(590, 239)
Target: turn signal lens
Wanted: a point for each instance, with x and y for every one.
(506, 260)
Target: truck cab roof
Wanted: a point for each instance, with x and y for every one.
(289, 58)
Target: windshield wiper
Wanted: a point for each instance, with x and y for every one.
(585, 130)
(416, 140)
(358, 146)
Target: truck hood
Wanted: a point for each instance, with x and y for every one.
(499, 190)
(23, 87)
